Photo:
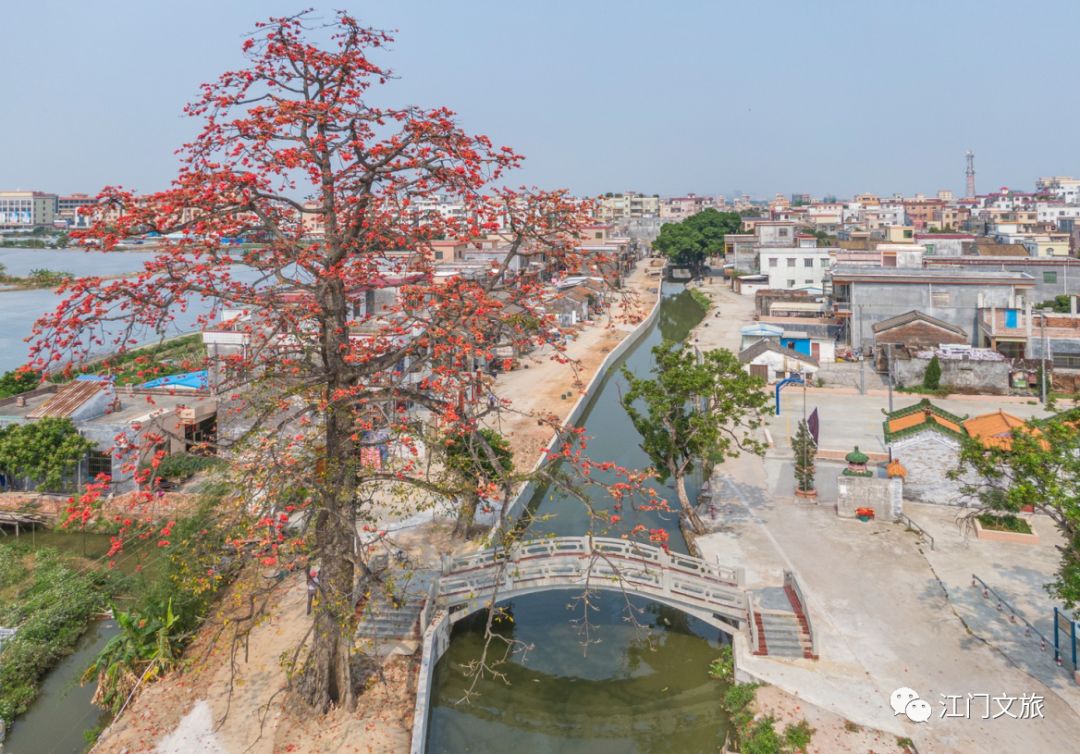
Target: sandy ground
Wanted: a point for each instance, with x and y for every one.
(548, 387)
(191, 711)
(833, 734)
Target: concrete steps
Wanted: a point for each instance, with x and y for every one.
(393, 615)
(781, 625)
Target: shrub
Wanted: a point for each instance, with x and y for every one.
(18, 381)
(179, 467)
(932, 376)
(1004, 522)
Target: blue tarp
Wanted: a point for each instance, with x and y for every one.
(94, 378)
(194, 380)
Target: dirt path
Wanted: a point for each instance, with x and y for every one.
(548, 386)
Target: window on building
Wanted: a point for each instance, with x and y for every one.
(791, 262)
(783, 232)
(1049, 277)
(773, 261)
(808, 281)
(907, 234)
(791, 284)
(99, 463)
(941, 298)
(808, 263)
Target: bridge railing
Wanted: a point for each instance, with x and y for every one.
(605, 547)
(607, 563)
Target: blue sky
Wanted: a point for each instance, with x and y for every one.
(662, 97)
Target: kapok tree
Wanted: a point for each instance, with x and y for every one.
(697, 409)
(352, 361)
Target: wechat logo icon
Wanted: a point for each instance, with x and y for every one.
(905, 701)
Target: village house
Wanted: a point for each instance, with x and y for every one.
(772, 362)
(864, 296)
(905, 334)
(173, 414)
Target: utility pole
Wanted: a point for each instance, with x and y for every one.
(862, 356)
(1045, 347)
(888, 356)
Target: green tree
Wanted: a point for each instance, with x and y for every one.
(478, 459)
(1058, 304)
(695, 410)
(43, 451)
(1039, 466)
(18, 381)
(805, 452)
(690, 242)
(932, 376)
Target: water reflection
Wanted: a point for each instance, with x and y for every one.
(638, 689)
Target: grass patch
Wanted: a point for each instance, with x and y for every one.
(1004, 522)
(702, 300)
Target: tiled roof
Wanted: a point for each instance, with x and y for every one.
(920, 416)
(994, 430)
(68, 399)
(752, 352)
(913, 315)
(1001, 250)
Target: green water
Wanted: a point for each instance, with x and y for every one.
(633, 688)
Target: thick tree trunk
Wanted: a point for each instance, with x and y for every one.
(688, 508)
(327, 675)
(467, 514)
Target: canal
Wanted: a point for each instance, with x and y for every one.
(608, 684)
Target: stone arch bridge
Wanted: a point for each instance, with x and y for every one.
(708, 591)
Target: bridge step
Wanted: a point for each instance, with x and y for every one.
(385, 618)
(781, 633)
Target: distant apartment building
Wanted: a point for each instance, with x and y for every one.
(945, 244)
(923, 213)
(26, 210)
(1062, 188)
(1054, 212)
(680, 207)
(629, 205)
(68, 206)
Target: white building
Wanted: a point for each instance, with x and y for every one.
(795, 268)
